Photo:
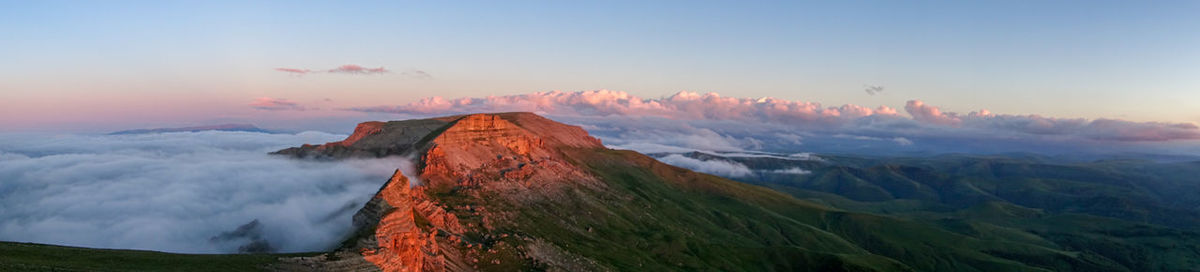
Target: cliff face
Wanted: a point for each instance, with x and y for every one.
(372, 140)
(511, 156)
(494, 152)
(411, 232)
(361, 131)
(516, 130)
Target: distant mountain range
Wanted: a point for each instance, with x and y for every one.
(222, 127)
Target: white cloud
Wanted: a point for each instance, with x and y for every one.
(793, 171)
(174, 191)
(714, 167)
(805, 156)
(794, 157)
(732, 169)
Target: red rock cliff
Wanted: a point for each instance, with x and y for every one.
(361, 131)
(515, 156)
(413, 233)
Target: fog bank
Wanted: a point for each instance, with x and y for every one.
(180, 192)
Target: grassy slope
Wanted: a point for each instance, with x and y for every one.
(644, 221)
(641, 221)
(38, 257)
(658, 217)
(920, 245)
(1107, 213)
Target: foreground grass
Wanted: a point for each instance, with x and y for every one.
(39, 257)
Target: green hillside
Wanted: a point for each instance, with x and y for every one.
(659, 217)
(1123, 215)
(38, 257)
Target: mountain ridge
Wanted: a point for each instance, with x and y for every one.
(221, 127)
(516, 191)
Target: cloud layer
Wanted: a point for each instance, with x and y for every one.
(180, 192)
(1098, 129)
(733, 169)
(715, 167)
(682, 105)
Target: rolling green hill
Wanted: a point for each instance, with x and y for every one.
(1130, 215)
(39, 257)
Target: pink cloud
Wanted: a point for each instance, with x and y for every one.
(930, 114)
(294, 71)
(356, 69)
(682, 105)
(926, 119)
(274, 104)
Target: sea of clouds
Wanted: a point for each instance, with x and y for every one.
(193, 192)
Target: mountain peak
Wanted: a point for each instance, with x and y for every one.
(518, 130)
(519, 147)
(510, 157)
(516, 124)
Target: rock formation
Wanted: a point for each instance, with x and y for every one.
(513, 156)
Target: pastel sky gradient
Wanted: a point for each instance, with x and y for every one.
(95, 66)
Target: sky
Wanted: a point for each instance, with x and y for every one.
(72, 66)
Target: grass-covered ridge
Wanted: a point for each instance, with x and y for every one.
(39, 257)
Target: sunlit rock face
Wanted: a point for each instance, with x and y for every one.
(372, 140)
(491, 151)
(412, 233)
(508, 158)
(361, 131)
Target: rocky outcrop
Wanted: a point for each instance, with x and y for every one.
(361, 131)
(514, 156)
(499, 150)
(412, 233)
(516, 130)
(372, 140)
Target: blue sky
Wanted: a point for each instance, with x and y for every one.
(135, 62)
